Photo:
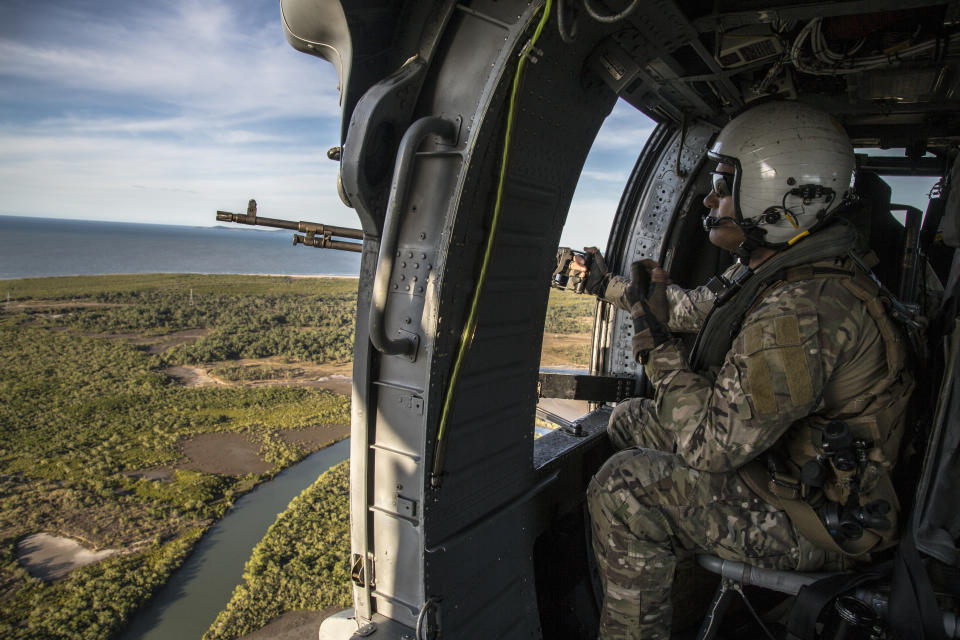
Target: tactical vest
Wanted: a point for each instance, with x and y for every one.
(878, 427)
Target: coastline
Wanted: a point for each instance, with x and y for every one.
(31, 247)
(284, 275)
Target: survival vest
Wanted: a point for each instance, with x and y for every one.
(787, 476)
(805, 476)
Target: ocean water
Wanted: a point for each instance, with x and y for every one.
(35, 247)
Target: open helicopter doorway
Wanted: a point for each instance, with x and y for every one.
(569, 322)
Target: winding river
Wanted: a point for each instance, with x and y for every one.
(188, 604)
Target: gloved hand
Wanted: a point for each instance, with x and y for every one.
(597, 275)
(650, 314)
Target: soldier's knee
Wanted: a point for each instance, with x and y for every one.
(602, 497)
(610, 470)
(625, 497)
(607, 481)
(634, 469)
(594, 492)
(624, 424)
(618, 416)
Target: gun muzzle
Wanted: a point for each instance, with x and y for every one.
(226, 216)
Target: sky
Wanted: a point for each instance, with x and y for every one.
(164, 112)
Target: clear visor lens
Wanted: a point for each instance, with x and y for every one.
(722, 183)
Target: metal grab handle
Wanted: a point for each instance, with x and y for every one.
(388, 241)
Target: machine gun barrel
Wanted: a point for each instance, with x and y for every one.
(301, 226)
(316, 234)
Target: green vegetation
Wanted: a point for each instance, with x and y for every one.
(84, 415)
(76, 405)
(301, 319)
(568, 312)
(90, 411)
(574, 354)
(567, 329)
(301, 563)
(70, 287)
(94, 601)
(240, 372)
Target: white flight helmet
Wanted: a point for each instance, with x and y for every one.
(793, 167)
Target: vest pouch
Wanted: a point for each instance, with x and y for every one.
(812, 533)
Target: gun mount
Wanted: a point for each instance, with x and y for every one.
(316, 234)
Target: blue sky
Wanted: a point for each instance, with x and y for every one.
(161, 112)
(165, 112)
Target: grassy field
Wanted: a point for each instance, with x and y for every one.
(567, 330)
(569, 313)
(94, 424)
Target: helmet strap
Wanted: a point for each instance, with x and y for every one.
(752, 240)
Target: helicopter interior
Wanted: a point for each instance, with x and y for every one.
(465, 128)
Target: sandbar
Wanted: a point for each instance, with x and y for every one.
(51, 558)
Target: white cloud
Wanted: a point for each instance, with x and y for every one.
(621, 136)
(198, 57)
(165, 113)
(588, 222)
(163, 181)
(618, 176)
(605, 173)
(625, 128)
(222, 129)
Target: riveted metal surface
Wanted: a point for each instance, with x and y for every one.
(652, 223)
(477, 534)
(412, 271)
(638, 62)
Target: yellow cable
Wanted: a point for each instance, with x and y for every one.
(469, 329)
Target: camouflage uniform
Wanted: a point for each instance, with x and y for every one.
(688, 307)
(806, 350)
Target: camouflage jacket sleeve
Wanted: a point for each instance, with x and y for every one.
(688, 307)
(773, 375)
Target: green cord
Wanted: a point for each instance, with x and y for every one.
(469, 329)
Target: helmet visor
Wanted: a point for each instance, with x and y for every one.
(722, 183)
